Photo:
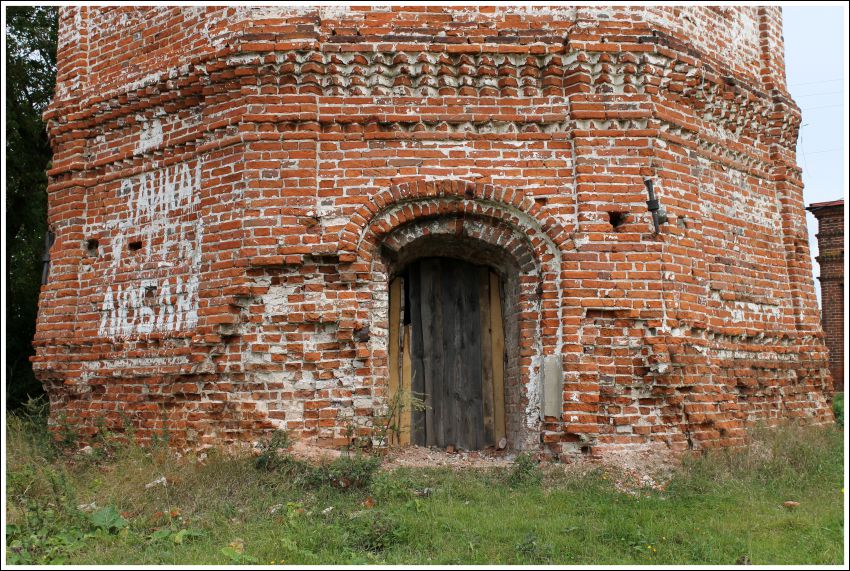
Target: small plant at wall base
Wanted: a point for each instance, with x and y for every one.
(838, 408)
(388, 426)
(274, 452)
(385, 427)
(525, 471)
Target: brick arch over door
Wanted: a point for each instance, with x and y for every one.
(512, 203)
(504, 220)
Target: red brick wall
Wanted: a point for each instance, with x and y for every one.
(831, 261)
(271, 167)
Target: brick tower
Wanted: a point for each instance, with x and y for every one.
(281, 217)
(830, 258)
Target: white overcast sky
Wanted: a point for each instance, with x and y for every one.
(816, 67)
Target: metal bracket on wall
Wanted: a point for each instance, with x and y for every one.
(659, 215)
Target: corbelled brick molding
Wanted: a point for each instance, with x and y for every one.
(233, 188)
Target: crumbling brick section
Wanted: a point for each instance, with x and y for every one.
(830, 258)
(233, 188)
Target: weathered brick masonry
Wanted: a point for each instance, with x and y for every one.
(233, 188)
(830, 258)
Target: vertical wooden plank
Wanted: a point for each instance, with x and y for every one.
(405, 386)
(393, 363)
(431, 316)
(471, 407)
(417, 382)
(453, 316)
(447, 309)
(486, 356)
(498, 334)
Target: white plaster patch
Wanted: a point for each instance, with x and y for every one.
(722, 354)
(150, 136)
(141, 363)
(556, 12)
(336, 12)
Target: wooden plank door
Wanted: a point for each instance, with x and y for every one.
(448, 346)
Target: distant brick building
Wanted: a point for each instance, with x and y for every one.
(277, 217)
(830, 257)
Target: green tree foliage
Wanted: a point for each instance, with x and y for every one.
(30, 77)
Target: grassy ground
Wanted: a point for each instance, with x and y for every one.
(104, 508)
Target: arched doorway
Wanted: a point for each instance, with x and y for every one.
(447, 347)
(480, 224)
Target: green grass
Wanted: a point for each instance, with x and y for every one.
(718, 509)
(838, 408)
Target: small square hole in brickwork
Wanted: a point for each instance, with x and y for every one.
(616, 219)
(91, 247)
(135, 245)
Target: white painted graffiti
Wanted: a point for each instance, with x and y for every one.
(162, 192)
(156, 240)
(171, 305)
